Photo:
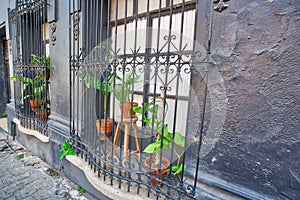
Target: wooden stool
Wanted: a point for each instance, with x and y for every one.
(127, 122)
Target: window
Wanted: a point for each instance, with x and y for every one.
(131, 70)
(30, 45)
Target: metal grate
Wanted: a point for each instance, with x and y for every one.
(132, 65)
(29, 31)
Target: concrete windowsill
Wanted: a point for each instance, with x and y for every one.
(34, 133)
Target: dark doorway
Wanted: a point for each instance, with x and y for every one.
(4, 73)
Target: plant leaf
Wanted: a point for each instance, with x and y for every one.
(137, 109)
(156, 146)
(178, 171)
(179, 139)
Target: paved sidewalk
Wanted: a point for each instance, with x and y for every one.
(24, 176)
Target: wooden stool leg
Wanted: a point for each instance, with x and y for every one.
(137, 139)
(126, 139)
(117, 133)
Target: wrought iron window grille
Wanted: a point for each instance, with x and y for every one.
(30, 36)
(122, 52)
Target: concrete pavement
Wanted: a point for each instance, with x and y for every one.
(24, 176)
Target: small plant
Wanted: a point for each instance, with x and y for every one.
(42, 60)
(66, 150)
(164, 138)
(36, 84)
(81, 190)
(122, 89)
(106, 88)
(4, 113)
(20, 156)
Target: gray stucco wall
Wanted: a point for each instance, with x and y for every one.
(59, 77)
(256, 46)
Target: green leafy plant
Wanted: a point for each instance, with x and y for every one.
(122, 89)
(4, 113)
(42, 60)
(106, 88)
(164, 138)
(81, 190)
(105, 85)
(66, 150)
(165, 141)
(37, 83)
(20, 156)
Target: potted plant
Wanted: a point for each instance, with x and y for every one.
(37, 86)
(163, 140)
(106, 123)
(122, 93)
(43, 113)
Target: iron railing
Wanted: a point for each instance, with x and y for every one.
(132, 68)
(31, 65)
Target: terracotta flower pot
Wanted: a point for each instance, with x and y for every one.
(47, 75)
(34, 103)
(43, 114)
(104, 128)
(155, 171)
(127, 110)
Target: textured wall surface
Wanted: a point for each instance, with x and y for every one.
(3, 98)
(256, 46)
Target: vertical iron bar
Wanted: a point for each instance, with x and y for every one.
(101, 70)
(115, 61)
(177, 81)
(123, 76)
(147, 69)
(204, 105)
(96, 72)
(157, 65)
(76, 66)
(91, 70)
(165, 88)
(70, 69)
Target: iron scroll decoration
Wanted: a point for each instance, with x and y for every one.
(220, 5)
(53, 34)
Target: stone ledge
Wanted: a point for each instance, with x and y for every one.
(94, 180)
(34, 133)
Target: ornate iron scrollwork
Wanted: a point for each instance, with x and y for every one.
(76, 19)
(221, 5)
(53, 34)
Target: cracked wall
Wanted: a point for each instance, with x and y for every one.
(256, 46)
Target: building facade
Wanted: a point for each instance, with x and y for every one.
(211, 90)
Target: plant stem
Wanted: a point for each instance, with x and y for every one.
(104, 107)
(157, 156)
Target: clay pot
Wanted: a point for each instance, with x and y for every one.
(43, 115)
(105, 128)
(127, 110)
(154, 171)
(47, 75)
(34, 105)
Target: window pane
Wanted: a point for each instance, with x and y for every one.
(120, 11)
